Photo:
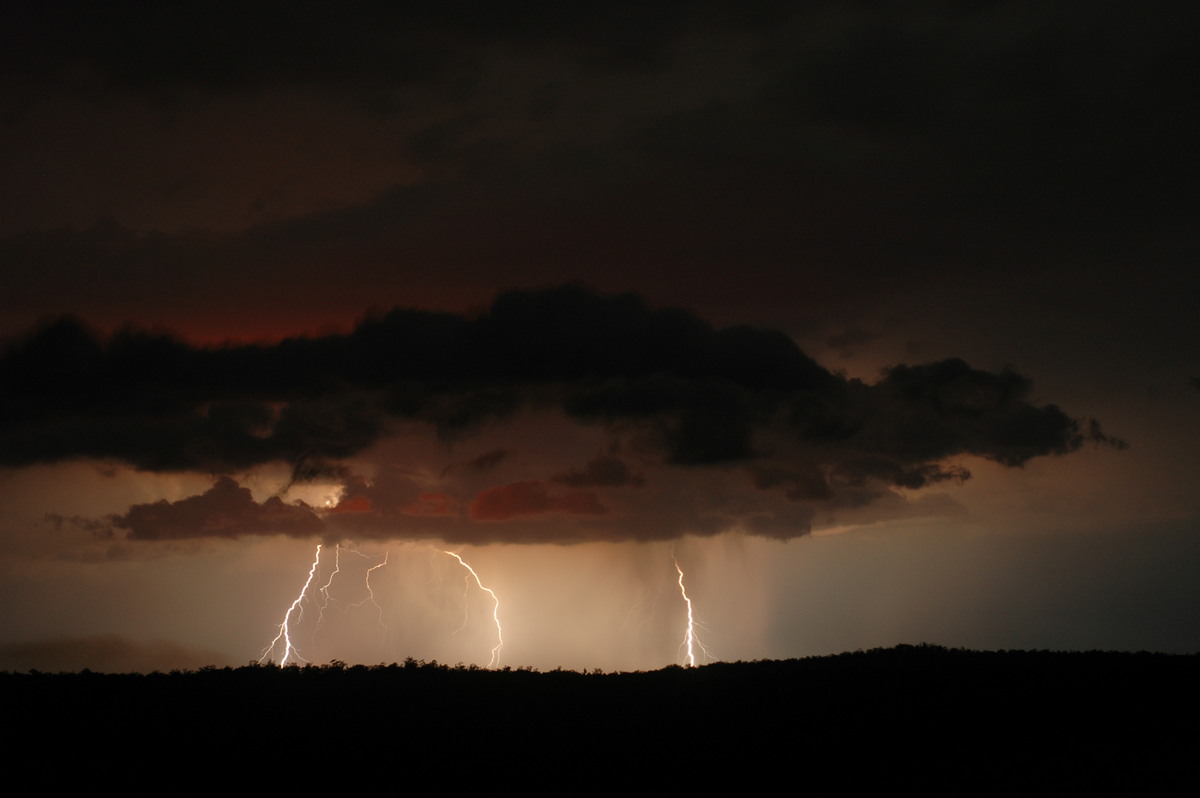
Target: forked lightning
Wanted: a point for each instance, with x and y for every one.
(495, 609)
(289, 651)
(690, 641)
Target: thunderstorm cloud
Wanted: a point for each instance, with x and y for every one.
(695, 429)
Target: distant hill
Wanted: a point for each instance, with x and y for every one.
(977, 723)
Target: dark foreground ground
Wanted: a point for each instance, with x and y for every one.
(944, 721)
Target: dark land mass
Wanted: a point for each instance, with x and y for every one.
(924, 717)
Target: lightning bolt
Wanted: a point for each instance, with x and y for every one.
(371, 593)
(690, 640)
(337, 566)
(495, 609)
(289, 651)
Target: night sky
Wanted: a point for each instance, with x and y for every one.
(878, 319)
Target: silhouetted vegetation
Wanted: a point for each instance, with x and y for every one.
(1023, 722)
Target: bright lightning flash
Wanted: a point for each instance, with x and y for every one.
(495, 609)
(289, 651)
(690, 641)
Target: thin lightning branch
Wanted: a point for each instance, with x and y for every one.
(371, 593)
(690, 640)
(495, 609)
(289, 651)
(647, 614)
(337, 566)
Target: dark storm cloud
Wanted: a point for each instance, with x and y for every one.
(155, 402)
(531, 498)
(674, 392)
(227, 510)
(925, 116)
(855, 149)
(849, 340)
(932, 411)
(604, 470)
(235, 45)
(1012, 93)
(607, 358)
(481, 464)
(701, 393)
(308, 471)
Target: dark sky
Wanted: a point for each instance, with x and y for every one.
(881, 313)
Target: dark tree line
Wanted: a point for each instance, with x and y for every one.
(947, 720)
